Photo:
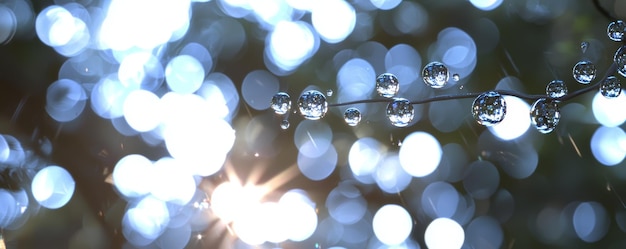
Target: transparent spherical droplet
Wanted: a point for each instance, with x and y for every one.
(435, 74)
(312, 105)
(281, 103)
(387, 85)
(611, 87)
(284, 124)
(545, 115)
(489, 108)
(400, 112)
(615, 30)
(584, 72)
(620, 60)
(456, 77)
(352, 116)
(583, 46)
(329, 92)
(556, 89)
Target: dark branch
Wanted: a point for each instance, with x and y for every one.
(531, 97)
(603, 11)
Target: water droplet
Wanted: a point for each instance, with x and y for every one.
(329, 92)
(312, 105)
(583, 46)
(387, 85)
(352, 116)
(611, 87)
(584, 72)
(545, 115)
(615, 30)
(284, 124)
(281, 103)
(456, 77)
(620, 60)
(435, 74)
(556, 89)
(400, 112)
(489, 108)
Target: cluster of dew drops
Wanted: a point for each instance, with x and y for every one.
(488, 108)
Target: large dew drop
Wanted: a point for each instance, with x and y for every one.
(584, 72)
(400, 112)
(545, 115)
(620, 60)
(387, 85)
(312, 105)
(281, 103)
(435, 74)
(611, 87)
(489, 108)
(352, 116)
(556, 89)
(615, 30)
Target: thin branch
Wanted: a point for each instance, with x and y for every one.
(603, 11)
(531, 97)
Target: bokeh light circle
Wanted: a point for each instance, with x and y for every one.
(420, 154)
(444, 233)
(53, 187)
(392, 224)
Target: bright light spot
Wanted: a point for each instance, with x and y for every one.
(53, 187)
(5, 150)
(440, 199)
(364, 155)
(230, 200)
(78, 33)
(608, 145)
(404, 62)
(132, 176)
(334, 20)
(317, 168)
(354, 80)
(385, 4)
(8, 210)
(444, 233)
(291, 43)
(174, 183)
(141, 70)
(65, 100)
(346, 204)
(184, 74)
(420, 154)
(258, 88)
(516, 121)
(390, 176)
(302, 4)
(313, 138)
(149, 218)
(590, 221)
(609, 112)
(250, 225)
(392, 224)
(107, 98)
(271, 12)
(8, 24)
(299, 216)
(486, 5)
(201, 54)
(54, 26)
(127, 24)
(141, 110)
(201, 141)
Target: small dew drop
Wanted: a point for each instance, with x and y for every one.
(456, 77)
(387, 85)
(329, 93)
(489, 108)
(400, 112)
(545, 115)
(312, 105)
(435, 74)
(281, 103)
(284, 124)
(583, 46)
(611, 87)
(584, 72)
(352, 116)
(615, 30)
